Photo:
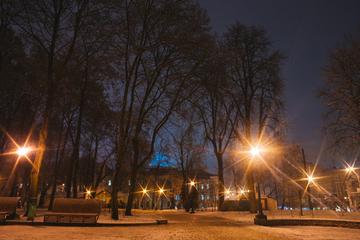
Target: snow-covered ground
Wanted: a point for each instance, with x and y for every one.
(198, 226)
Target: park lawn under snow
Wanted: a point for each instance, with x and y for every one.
(198, 226)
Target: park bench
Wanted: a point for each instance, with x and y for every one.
(73, 211)
(8, 208)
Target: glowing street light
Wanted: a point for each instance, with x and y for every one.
(227, 191)
(161, 191)
(23, 151)
(243, 191)
(144, 191)
(192, 183)
(310, 178)
(88, 192)
(255, 151)
(350, 169)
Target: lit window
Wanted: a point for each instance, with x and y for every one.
(109, 183)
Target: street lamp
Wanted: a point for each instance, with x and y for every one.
(255, 151)
(260, 218)
(228, 192)
(310, 179)
(144, 192)
(242, 191)
(23, 151)
(88, 194)
(350, 169)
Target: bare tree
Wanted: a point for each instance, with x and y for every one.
(53, 27)
(216, 111)
(253, 68)
(341, 94)
(155, 43)
(187, 147)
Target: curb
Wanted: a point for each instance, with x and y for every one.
(135, 224)
(312, 222)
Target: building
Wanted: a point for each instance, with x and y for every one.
(330, 188)
(162, 188)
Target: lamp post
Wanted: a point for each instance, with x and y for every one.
(191, 196)
(161, 192)
(350, 170)
(309, 178)
(144, 193)
(260, 217)
(22, 152)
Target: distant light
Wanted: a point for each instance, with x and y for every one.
(88, 194)
(227, 191)
(192, 183)
(144, 191)
(310, 179)
(350, 169)
(161, 190)
(23, 151)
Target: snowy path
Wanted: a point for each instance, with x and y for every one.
(199, 226)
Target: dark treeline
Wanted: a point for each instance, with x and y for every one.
(105, 84)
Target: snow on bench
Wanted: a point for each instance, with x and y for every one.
(74, 211)
(8, 207)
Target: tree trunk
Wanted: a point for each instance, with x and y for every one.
(34, 176)
(58, 158)
(252, 194)
(221, 186)
(44, 188)
(132, 190)
(13, 190)
(116, 181)
(114, 192)
(93, 179)
(76, 150)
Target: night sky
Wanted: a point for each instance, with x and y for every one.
(305, 32)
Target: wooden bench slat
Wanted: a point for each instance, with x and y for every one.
(71, 214)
